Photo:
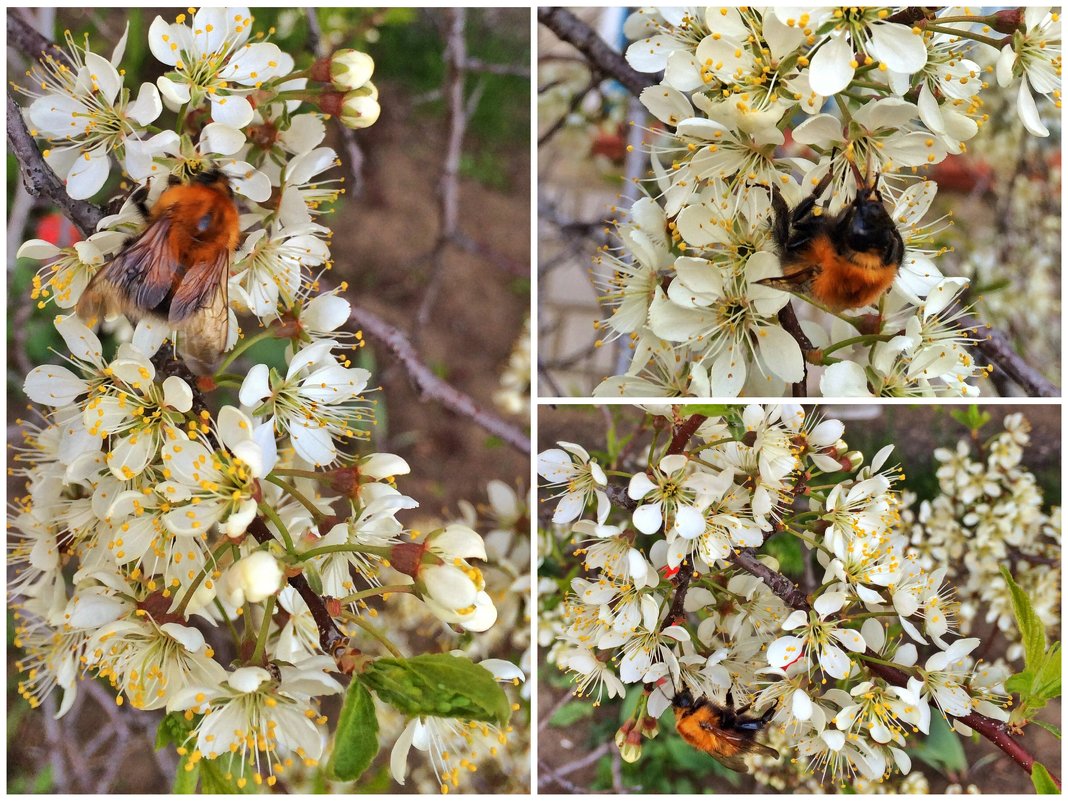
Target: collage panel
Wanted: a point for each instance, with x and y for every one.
(269, 451)
(792, 202)
(799, 599)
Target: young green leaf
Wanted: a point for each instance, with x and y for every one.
(1042, 781)
(356, 740)
(441, 685)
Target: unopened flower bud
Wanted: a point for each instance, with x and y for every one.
(852, 460)
(350, 69)
(360, 108)
(238, 521)
(254, 578)
(629, 742)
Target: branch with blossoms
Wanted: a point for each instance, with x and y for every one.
(882, 92)
(218, 544)
(725, 623)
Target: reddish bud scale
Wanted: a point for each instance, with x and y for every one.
(331, 103)
(263, 136)
(406, 557)
(320, 70)
(345, 480)
(1008, 20)
(333, 606)
(206, 383)
(157, 607)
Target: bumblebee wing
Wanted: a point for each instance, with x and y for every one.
(200, 309)
(796, 280)
(138, 279)
(735, 762)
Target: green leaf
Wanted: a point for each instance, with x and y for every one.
(172, 730)
(1054, 730)
(441, 685)
(571, 713)
(941, 749)
(225, 776)
(187, 776)
(707, 409)
(356, 740)
(1032, 632)
(1042, 781)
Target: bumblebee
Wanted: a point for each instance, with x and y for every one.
(721, 732)
(843, 260)
(176, 270)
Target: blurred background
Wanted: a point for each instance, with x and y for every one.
(576, 753)
(1003, 194)
(463, 300)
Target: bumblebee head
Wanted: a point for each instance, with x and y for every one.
(682, 700)
(868, 226)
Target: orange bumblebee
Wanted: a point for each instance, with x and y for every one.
(721, 732)
(176, 270)
(843, 260)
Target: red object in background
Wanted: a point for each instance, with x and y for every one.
(58, 230)
(610, 144)
(962, 174)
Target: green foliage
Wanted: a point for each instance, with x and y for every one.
(1040, 680)
(571, 713)
(971, 417)
(356, 739)
(787, 551)
(941, 749)
(708, 409)
(441, 685)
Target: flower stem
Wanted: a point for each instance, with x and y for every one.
(293, 471)
(374, 550)
(272, 515)
(369, 593)
(378, 635)
(977, 37)
(297, 495)
(215, 556)
(241, 347)
(265, 628)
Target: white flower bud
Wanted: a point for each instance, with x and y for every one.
(350, 69)
(255, 577)
(360, 108)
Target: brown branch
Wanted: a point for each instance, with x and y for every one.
(993, 730)
(478, 65)
(599, 55)
(26, 39)
(39, 179)
(994, 345)
(683, 432)
(331, 639)
(788, 320)
(779, 584)
(428, 385)
(572, 107)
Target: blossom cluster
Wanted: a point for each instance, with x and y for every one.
(165, 514)
(672, 593)
(990, 512)
(749, 100)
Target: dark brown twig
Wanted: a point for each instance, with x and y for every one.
(331, 639)
(27, 40)
(788, 320)
(994, 345)
(599, 55)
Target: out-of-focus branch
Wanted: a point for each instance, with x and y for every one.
(430, 386)
(26, 39)
(478, 65)
(348, 135)
(599, 55)
(449, 183)
(994, 345)
(39, 179)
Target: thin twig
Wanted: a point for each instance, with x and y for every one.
(429, 386)
(478, 65)
(994, 345)
(331, 638)
(788, 320)
(572, 107)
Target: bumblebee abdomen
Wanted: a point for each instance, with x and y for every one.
(842, 283)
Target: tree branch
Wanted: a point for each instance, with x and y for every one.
(39, 179)
(428, 385)
(604, 59)
(994, 345)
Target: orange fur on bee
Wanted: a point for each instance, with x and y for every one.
(844, 282)
(701, 730)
